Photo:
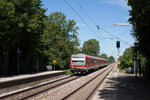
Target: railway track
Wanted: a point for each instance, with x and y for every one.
(22, 81)
(85, 91)
(68, 87)
(29, 92)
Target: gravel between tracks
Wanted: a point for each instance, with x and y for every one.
(60, 92)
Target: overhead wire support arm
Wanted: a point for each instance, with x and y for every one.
(112, 35)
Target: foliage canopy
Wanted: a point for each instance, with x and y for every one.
(127, 59)
(140, 20)
(40, 39)
(103, 55)
(91, 47)
(60, 39)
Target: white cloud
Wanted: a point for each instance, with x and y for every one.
(121, 3)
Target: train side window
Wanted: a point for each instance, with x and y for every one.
(95, 61)
(99, 61)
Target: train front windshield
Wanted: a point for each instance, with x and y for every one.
(78, 61)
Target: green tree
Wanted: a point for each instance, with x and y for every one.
(91, 47)
(7, 11)
(60, 39)
(140, 20)
(127, 59)
(111, 59)
(21, 27)
(103, 55)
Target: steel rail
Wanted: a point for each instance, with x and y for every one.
(92, 92)
(38, 86)
(73, 92)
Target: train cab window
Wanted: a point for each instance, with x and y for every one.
(78, 61)
(75, 61)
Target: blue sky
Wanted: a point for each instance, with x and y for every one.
(104, 13)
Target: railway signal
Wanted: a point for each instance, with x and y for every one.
(118, 46)
(54, 61)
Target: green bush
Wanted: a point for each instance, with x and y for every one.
(127, 59)
(68, 72)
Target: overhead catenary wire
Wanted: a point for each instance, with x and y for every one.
(85, 12)
(90, 19)
(115, 36)
(82, 19)
(124, 33)
(100, 27)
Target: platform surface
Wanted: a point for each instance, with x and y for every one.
(123, 86)
(6, 79)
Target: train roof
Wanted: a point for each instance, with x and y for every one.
(78, 55)
(84, 55)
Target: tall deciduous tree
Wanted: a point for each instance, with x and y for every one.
(111, 59)
(103, 55)
(21, 26)
(140, 20)
(60, 39)
(7, 11)
(127, 59)
(91, 47)
(31, 39)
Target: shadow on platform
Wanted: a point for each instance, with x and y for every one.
(125, 87)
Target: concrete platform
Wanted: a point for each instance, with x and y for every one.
(123, 86)
(28, 76)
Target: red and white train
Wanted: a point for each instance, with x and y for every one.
(80, 63)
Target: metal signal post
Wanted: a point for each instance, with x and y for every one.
(118, 46)
(54, 61)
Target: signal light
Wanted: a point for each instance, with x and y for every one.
(118, 44)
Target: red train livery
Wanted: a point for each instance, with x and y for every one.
(83, 63)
